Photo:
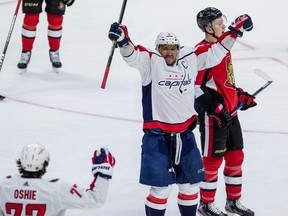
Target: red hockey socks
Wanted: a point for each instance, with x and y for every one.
(209, 186)
(54, 31)
(233, 173)
(29, 31)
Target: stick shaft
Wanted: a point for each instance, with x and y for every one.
(264, 76)
(254, 94)
(9, 34)
(105, 77)
(262, 88)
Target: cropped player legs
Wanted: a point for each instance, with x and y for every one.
(187, 200)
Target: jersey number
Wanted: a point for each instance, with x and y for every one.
(75, 191)
(18, 207)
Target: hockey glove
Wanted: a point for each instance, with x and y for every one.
(103, 163)
(243, 22)
(223, 117)
(68, 2)
(246, 99)
(118, 33)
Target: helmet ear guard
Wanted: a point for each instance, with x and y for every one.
(167, 38)
(33, 157)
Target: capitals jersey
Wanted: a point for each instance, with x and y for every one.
(29, 196)
(168, 92)
(216, 84)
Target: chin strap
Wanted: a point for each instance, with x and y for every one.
(213, 34)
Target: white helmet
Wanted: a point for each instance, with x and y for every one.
(168, 38)
(33, 157)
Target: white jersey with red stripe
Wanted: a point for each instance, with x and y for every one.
(31, 196)
(168, 91)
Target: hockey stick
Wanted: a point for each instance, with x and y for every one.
(8, 39)
(264, 76)
(9, 35)
(112, 48)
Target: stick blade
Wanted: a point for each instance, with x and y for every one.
(262, 74)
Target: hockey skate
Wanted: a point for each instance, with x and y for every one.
(55, 60)
(24, 61)
(209, 209)
(235, 207)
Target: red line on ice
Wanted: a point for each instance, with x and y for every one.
(116, 118)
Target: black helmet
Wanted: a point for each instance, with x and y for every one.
(206, 16)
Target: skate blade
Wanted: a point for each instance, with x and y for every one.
(22, 71)
(56, 70)
(2, 97)
(200, 214)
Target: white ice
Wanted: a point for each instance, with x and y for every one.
(71, 115)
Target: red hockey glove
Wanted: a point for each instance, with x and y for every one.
(223, 117)
(118, 33)
(68, 2)
(243, 22)
(246, 98)
(103, 163)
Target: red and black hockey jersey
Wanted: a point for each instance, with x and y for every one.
(216, 84)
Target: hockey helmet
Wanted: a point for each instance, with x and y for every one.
(206, 16)
(168, 38)
(33, 157)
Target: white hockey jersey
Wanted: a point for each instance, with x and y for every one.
(168, 91)
(29, 196)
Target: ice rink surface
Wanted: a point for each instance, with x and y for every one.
(71, 115)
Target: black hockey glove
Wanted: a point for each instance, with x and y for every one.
(246, 99)
(103, 163)
(118, 33)
(68, 2)
(223, 117)
(241, 24)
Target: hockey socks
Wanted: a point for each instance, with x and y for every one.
(187, 210)
(154, 212)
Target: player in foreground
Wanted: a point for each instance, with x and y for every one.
(30, 194)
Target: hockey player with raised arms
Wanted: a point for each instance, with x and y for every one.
(216, 99)
(28, 193)
(169, 151)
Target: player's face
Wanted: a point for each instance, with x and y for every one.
(169, 53)
(219, 26)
